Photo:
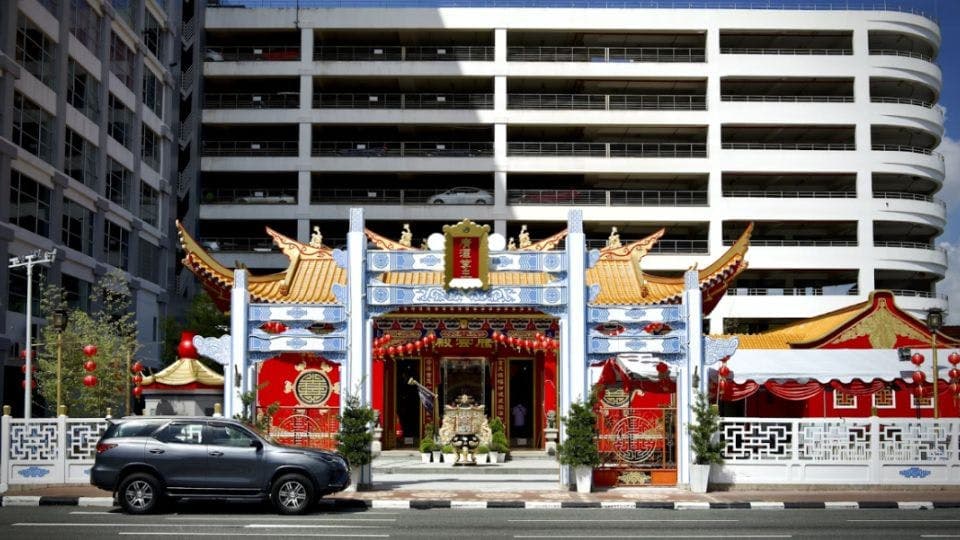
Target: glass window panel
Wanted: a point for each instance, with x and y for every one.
(121, 122)
(80, 158)
(35, 51)
(77, 227)
(29, 204)
(32, 128)
(116, 245)
(121, 60)
(85, 25)
(118, 183)
(83, 91)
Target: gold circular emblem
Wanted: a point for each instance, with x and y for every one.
(312, 388)
(615, 397)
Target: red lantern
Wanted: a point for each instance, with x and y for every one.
(392, 350)
(954, 358)
(724, 371)
(955, 387)
(23, 354)
(399, 430)
(387, 337)
(23, 368)
(90, 380)
(662, 368)
(186, 349)
(409, 348)
(919, 377)
(89, 365)
(917, 359)
(137, 390)
(90, 350)
(33, 383)
(137, 367)
(495, 335)
(955, 373)
(918, 391)
(418, 344)
(722, 385)
(137, 379)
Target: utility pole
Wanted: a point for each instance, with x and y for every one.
(37, 257)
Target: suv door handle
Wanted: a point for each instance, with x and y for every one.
(216, 453)
(156, 450)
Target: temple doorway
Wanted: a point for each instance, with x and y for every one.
(522, 402)
(408, 411)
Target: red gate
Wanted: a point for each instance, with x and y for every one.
(637, 445)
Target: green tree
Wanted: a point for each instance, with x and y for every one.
(704, 433)
(580, 448)
(355, 436)
(203, 318)
(111, 328)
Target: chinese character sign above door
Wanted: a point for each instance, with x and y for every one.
(466, 255)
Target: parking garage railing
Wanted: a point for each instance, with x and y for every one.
(791, 194)
(786, 99)
(905, 244)
(897, 52)
(252, 100)
(905, 148)
(905, 195)
(250, 148)
(787, 146)
(606, 54)
(607, 149)
(786, 51)
(254, 53)
(402, 149)
(403, 101)
(399, 53)
(902, 101)
(795, 243)
(614, 102)
(662, 247)
(602, 197)
(249, 196)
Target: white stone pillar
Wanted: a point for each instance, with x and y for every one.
(357, 374)
(693, 312)
(5, 450)
(573, 354)
(239, 304)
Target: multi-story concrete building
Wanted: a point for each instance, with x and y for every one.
(87, 111)
(820, 127)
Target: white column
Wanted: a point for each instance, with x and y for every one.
(573, 354)
(357, 374)
(693, 311)
(5, 450)
(239, 302)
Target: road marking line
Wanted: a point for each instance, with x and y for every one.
(660, 536)
(21, 500)
(284, 519)
(311, 526)
(82, 513)
(624, 520)
(77, 524)
(766, 505)
(469, 505)
(903, 520)
(387, 503)
(95, 501)
(543, 505)
(618, 504)
(940, 536)
(286, 534)
(841, 505)
(915, 505)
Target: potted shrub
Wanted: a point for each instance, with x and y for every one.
(482, 452)
(426, 447)
(579, 450)
(355, 437)
(705, 442)
(498, 441)
(449, 454)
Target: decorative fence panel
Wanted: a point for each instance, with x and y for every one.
(839, 451)
(48, 450)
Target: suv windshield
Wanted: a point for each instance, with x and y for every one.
(137, 428)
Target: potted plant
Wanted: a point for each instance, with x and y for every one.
(498, 441)
(579, 450)
(482, 452)
(355, 437)
(449, 454)
(705, 442)
(426, 447)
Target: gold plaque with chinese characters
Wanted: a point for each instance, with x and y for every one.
(466, 256)
(312, 387)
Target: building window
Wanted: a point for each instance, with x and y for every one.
(121, 122)
(884, 399)
(149, 268)
(35, 51)
(149, 204)
(153, 35)
(29, 204)
(85, 25)
(118, 183)
(83, 91)
(152, 92)
(32, 127)
(77, 227)
(150, 148)
(842, 400)
(124, 8)
(17, 289)
(77, 291)
(80, 158)
(924, 402)
(121, 60)
(116, 245)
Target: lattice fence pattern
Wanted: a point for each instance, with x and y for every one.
(82, 437)
(834, 441)
(752, 440)
(35, 441)
(915, 441)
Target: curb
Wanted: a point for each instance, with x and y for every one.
(426, 504)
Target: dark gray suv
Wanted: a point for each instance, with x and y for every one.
(144, 460)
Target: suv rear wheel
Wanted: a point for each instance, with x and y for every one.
(292, 494)
(140, 493)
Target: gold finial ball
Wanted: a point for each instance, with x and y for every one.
(62, 410)
(7, 410)
(217, 409)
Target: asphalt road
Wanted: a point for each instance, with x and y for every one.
(64, 522)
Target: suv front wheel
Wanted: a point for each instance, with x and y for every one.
(292, 494)
(139, 493)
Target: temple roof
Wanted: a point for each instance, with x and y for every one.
(876, 323)
(312, 272)
(182, 373)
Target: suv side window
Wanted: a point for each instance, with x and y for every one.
(136, 428)
(181, 433)
(227, 435)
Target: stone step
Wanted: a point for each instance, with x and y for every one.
(460, 470)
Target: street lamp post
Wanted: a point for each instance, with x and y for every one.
(934, 322)
(37, 257)
(59, 321)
